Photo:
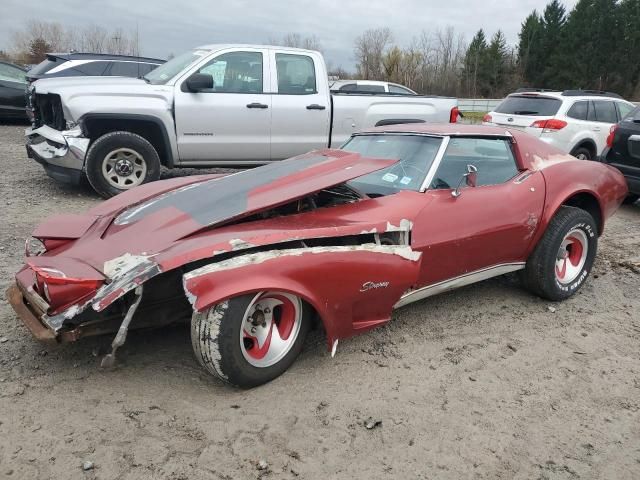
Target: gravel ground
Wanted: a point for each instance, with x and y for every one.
(485, 382)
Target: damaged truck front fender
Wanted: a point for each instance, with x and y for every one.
(351, 288)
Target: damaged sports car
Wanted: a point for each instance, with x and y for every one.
(337, 238)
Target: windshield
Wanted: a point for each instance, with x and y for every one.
(529, 105)
(415, 152)
(166, 71)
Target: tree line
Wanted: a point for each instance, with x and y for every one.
(595, 45)
(31, 43)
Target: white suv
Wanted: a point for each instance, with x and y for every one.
(576, 121)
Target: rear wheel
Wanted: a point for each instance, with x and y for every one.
(582, 153)
(119, 161)
(562, 260)
(251, 339)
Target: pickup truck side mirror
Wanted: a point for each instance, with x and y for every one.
(199, 81)
(470, 178)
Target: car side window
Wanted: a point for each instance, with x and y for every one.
(144, 68)
(296, 74)
(349, 87)
(493, 158)
(579, 111)
(624, 109)
(400, 90)
(605, 111)
(124, 69)
(12, 74)
(92, 69)
(235, 72)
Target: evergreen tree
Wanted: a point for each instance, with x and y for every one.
(554, 58)
(475, 65)
(628, 51)
(497, 64)
(530, 52)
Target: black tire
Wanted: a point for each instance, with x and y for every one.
(631, 199)
(582, 153)
(540, 275)
(215, 337)
(111, 142)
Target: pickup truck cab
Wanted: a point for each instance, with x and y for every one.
(216, 105)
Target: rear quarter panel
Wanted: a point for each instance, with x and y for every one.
(569, 178)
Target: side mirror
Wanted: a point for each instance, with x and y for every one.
(470, 178)
(199, 81)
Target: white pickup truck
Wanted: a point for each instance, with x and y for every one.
(216, 105)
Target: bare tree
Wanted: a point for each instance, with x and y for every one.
(295, 40)
(55, 37)
(369, 49)
(94, 39)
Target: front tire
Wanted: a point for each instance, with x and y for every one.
(119, 161)
(631, 199)
(249, 340)
(563, 258)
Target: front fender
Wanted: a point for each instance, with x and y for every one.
(353, 288)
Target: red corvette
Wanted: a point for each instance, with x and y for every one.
(341, 237)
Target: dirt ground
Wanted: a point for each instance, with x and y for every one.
(487, 382)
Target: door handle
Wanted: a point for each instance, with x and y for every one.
(257, 105)
(315, 106)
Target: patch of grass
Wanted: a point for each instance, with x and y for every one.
(473, 117)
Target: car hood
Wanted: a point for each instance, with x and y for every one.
(156, 219)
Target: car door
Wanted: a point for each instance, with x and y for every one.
(232, 120)
(301, 109)
(489, 226)
(13, 84)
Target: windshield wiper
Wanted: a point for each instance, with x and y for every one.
(144, 78)
(526, 112)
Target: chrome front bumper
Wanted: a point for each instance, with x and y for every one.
(66, 149)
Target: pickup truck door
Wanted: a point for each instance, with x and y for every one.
(231, 121)
(301, 104)
(487, 228)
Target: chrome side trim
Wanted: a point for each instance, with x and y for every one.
(457, 282)
(435, 164)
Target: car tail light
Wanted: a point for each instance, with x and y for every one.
(487, 118)
(612, 135)
(61, 290)
(453, 117)
(551, 125)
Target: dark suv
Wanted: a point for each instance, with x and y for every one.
(623, 151)
(92, 64)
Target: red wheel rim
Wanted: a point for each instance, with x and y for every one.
(270, 327)
(572, 255)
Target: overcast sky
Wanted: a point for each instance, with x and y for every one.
(173, 26)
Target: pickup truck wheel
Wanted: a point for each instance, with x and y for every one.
(251, 339)
(119, 161)
(631, 199)
(563, 258)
